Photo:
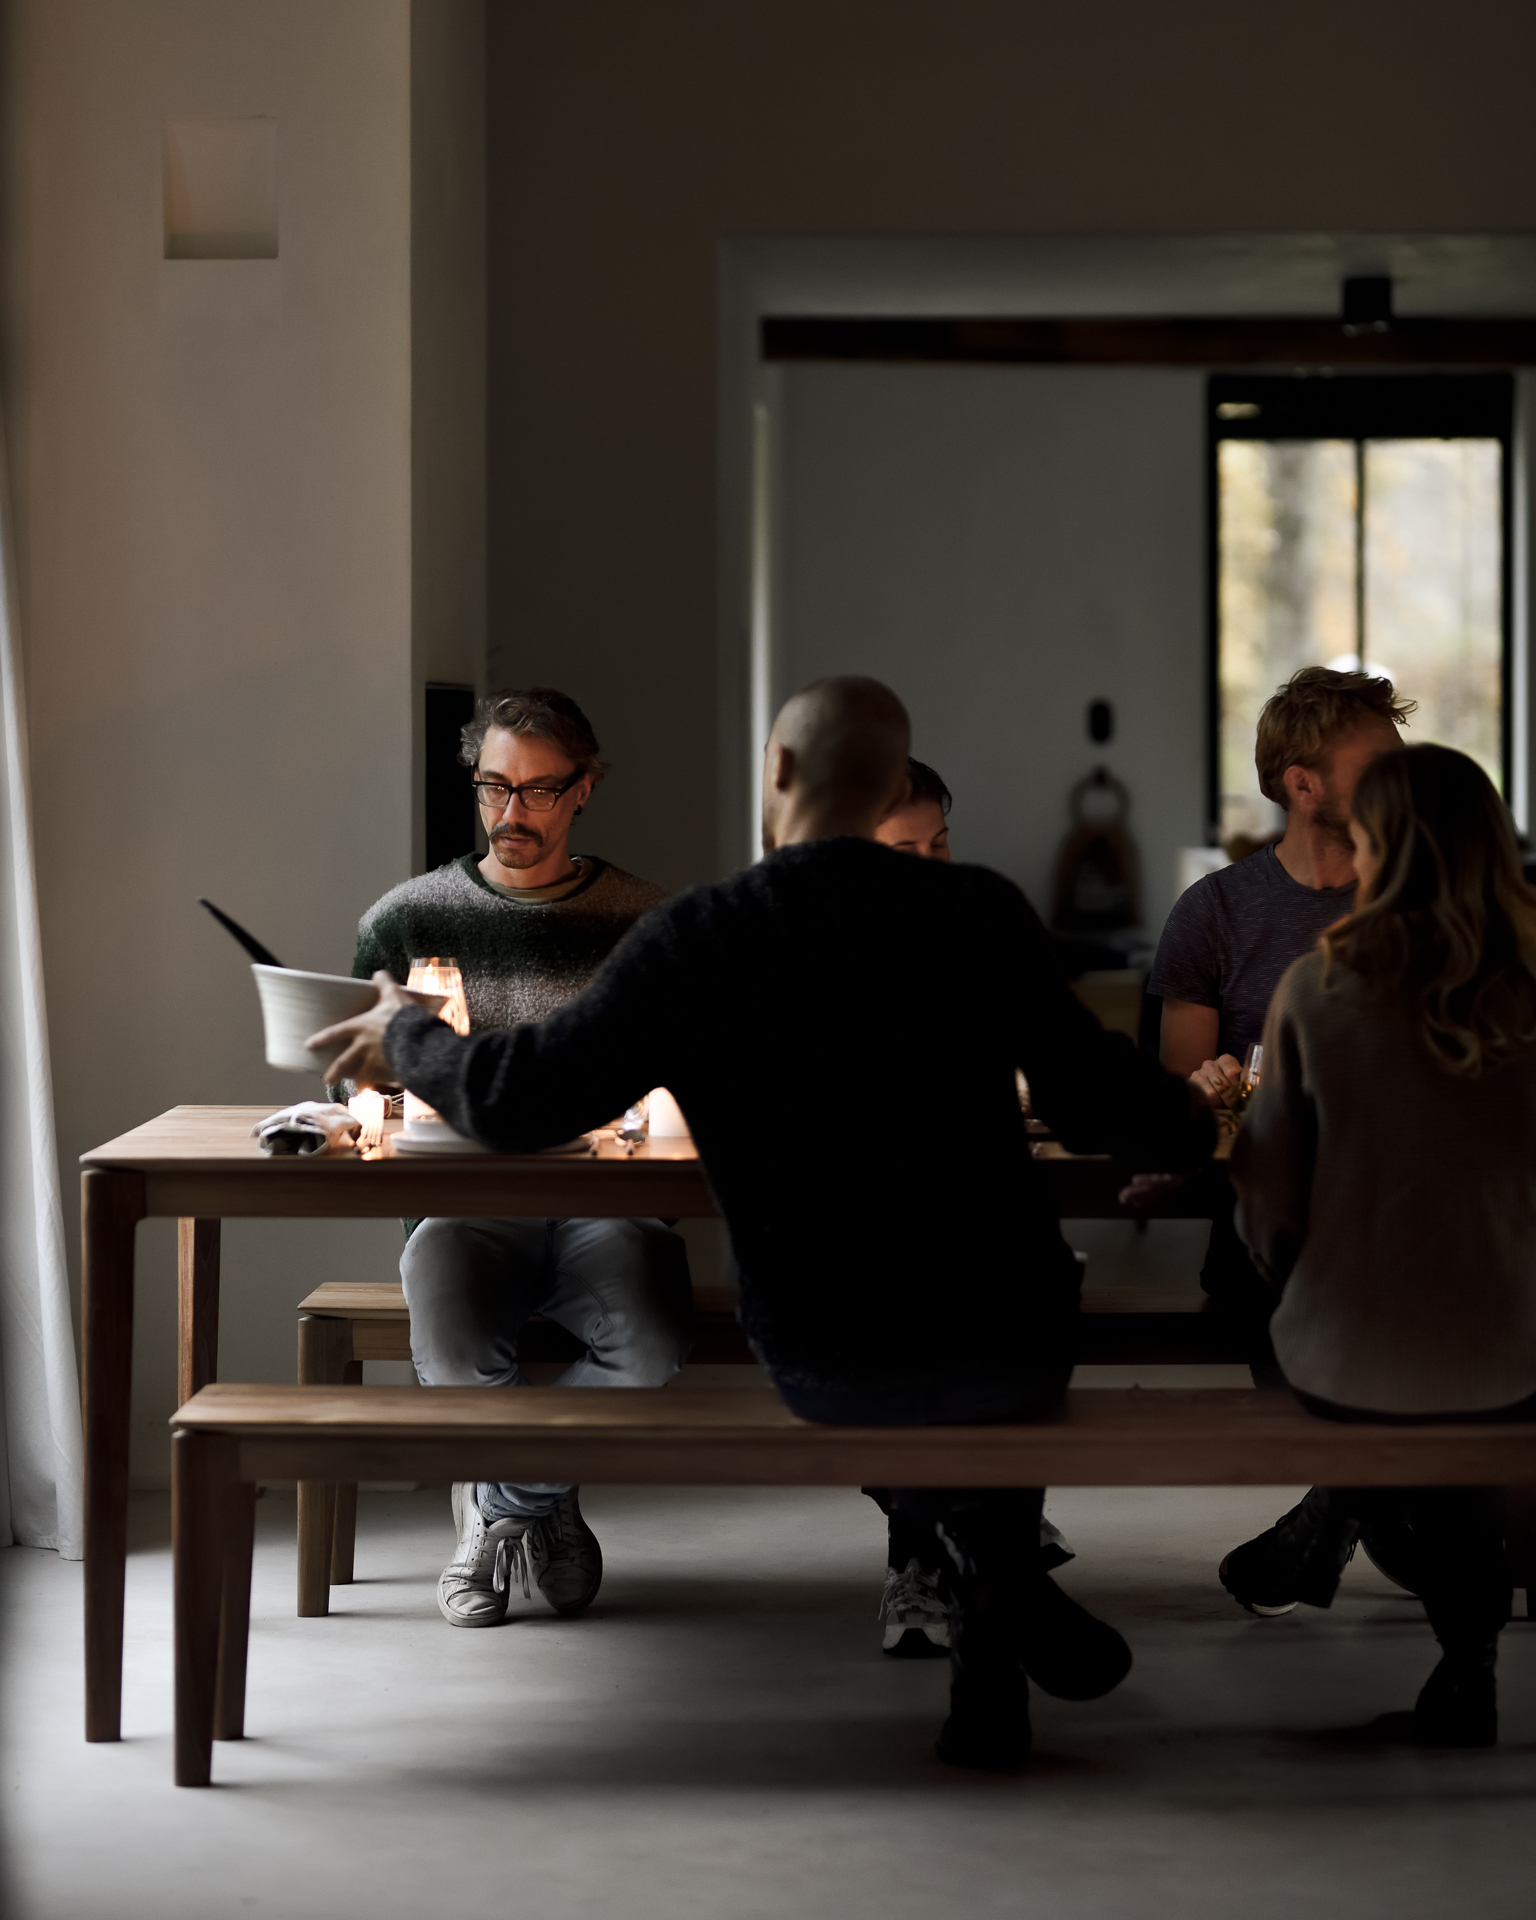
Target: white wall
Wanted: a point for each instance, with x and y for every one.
(1003, 545)
(448, 373)
(212, 469)
(759, 605)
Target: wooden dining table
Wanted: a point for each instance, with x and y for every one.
(201, 1165)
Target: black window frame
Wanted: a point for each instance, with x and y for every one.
(1369, 406)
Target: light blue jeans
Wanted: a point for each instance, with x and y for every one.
(620, 1286)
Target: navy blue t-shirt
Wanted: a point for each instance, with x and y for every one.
(1233, 933)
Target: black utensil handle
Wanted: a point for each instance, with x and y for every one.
(263, 956)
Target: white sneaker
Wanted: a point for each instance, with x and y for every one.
(566, 1559)
(916, 1619)
(472, 1588)
(1054, 1551)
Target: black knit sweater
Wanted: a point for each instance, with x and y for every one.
(840, 1025)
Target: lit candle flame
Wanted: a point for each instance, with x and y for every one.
(369, 1106)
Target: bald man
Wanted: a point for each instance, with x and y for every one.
(900, 1260)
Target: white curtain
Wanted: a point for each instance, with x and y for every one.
(41, 1453)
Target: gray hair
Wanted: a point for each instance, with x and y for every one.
(543, 712)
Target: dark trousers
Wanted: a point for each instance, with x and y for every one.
(1446, 1543)
(931, 1524)
(1241, 1298)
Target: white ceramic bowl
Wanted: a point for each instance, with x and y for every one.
(294, 1005)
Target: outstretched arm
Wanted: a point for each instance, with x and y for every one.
(1096, 1089)
(537, 1084)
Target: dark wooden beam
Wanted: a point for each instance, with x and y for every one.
(1220, 342)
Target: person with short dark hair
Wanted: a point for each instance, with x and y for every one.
(837, 1133)
(529, 924)
(919, 821)
(1384, 1183)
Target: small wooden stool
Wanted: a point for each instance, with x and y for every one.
(346, 1322)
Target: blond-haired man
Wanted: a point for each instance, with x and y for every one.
(1235, 932)
(1232, 934)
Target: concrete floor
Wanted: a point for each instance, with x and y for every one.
(721, 1737)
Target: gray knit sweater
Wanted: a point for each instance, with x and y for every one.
(521, 960)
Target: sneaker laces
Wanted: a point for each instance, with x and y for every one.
(553, 1532)
(511, 1554)
(510, 1558)
(910, 1590)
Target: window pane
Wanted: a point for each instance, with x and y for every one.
(1287, 590)
(1432, 586)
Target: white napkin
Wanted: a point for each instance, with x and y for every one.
(312, 1126)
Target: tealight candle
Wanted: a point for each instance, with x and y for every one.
(369, 1106)
(666, 1116)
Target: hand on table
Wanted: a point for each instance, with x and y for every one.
(360, 1041)
(1148, 1192)
(1217, 1080)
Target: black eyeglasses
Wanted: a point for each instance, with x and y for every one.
(535, 796)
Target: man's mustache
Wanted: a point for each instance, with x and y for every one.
(519, 833)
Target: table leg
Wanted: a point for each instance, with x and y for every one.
(197, 1306)
(111, 1206)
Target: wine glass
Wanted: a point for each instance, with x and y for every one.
(1247, 1086)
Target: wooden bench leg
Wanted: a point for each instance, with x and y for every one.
(235, 1614)
(203, 1489)
(325, 1347)
(197, 1306)
(344, 1523)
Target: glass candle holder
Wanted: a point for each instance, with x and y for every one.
(442, 976)
(434, 974)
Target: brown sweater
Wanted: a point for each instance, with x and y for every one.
(1395, 1203)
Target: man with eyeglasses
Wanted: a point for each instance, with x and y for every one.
(529, 925)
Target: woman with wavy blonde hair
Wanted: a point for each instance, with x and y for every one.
(1386, 1181)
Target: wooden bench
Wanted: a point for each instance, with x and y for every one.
(344, 1323)
(229, 1437)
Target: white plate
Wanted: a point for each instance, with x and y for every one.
(458, 1144)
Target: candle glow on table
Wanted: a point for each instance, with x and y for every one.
(369, 1106)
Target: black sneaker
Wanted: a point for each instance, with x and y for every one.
(988, 1726)
(1064, 1649)
(1300, 1558)
(1458, 1706)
